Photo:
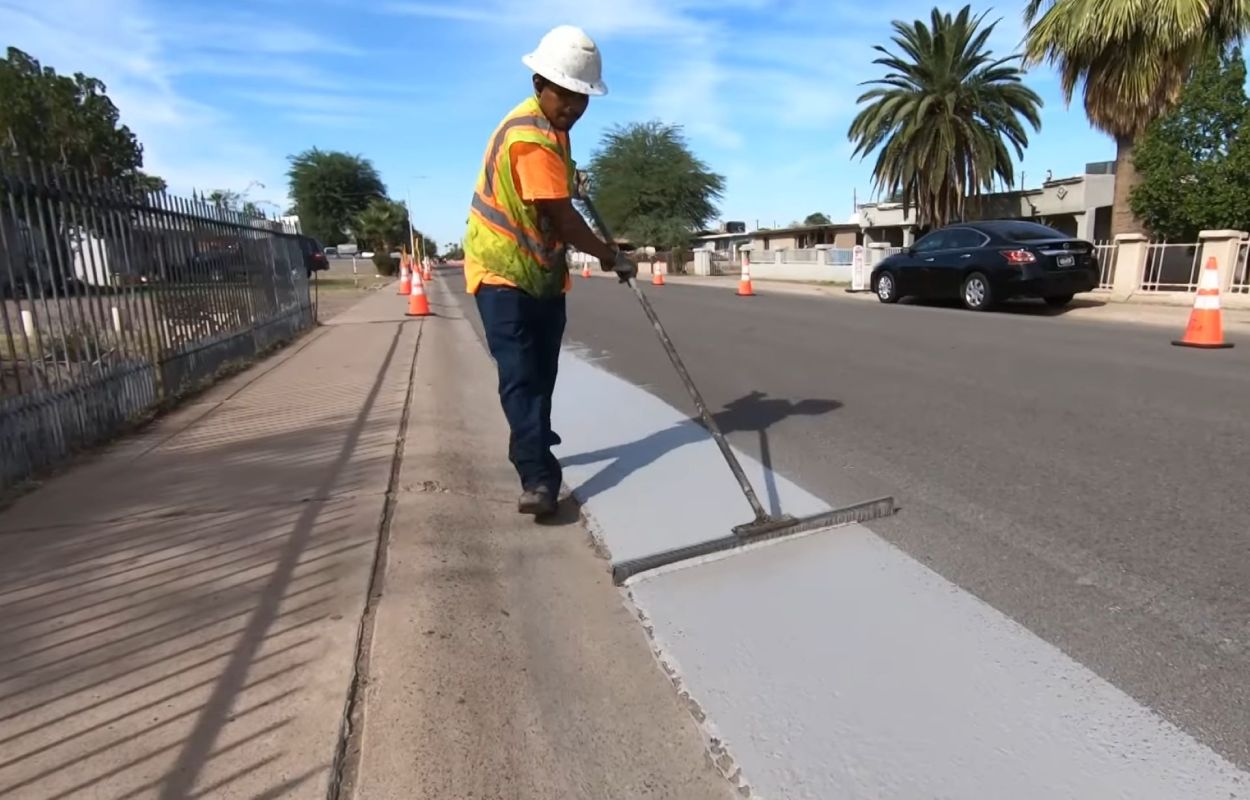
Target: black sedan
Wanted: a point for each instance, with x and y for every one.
(982, 263)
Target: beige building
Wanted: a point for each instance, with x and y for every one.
(1078, 206)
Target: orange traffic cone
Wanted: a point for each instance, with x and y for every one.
(586, 270)
(418, 303)
(405, 277)
(744, 285)
(1206, 321)
(428, 274)
(657, 273)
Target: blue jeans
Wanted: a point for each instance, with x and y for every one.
(524, 333)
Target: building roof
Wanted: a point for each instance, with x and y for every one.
(833, 226)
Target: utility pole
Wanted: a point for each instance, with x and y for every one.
(412, 235)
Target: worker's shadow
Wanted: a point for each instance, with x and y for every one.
(754, 412)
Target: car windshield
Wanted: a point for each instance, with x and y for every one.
(1028, 232)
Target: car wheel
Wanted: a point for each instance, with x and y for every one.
(976, 292)
(887, 288)
(1059, 300)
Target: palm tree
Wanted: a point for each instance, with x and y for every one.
(383, 224)
(945, 117)
(1132, 59)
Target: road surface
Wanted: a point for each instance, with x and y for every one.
(1083, 478)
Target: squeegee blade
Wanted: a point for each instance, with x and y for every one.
(757, 531)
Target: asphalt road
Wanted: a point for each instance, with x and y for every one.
(1088, 480)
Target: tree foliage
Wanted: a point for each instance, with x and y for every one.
(150, 184)
(817, 219)
(650, 188)
(947, 116)
(330, 190)
(1194, 162)
(1131, 60)
(66, 121)
(225, 199)
(382, 225)
(429, 247)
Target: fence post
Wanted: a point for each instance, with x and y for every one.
(702, 262)
(779, 257)
(876, 254)
(822, 257)
(1130, 261)
(1225, 247)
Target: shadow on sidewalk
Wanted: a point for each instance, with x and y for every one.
(755, 412)
(162, 647)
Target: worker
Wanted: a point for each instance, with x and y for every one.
(521, 222)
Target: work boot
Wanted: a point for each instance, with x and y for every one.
(541, 502)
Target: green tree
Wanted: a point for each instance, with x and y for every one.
(331, 189)
(650, 188)
(946, 117)
(382, 227)
(66, 121)
(1131, 60)
(456, 253)
(151, 184)
(817, 219)
(429, 247)
(225, 199)
(1192, 162)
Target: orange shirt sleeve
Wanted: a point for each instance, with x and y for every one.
(540, 174)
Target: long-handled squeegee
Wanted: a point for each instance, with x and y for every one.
(765, 526)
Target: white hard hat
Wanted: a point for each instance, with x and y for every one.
(567, 57)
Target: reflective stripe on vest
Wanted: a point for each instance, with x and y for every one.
(540, 122)
(500, 220)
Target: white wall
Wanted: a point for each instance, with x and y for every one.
(770, 271)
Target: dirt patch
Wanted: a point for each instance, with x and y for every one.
(334, 295)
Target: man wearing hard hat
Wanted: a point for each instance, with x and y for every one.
(520, 224)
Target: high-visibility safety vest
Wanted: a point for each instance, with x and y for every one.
(506, 235)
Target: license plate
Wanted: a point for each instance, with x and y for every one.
(1067, 261)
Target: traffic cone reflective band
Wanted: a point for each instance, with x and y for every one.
(418, 303)
(744, 285)
(586, 270)
(657, 273)
(405, 276)
(428, 275)
(1206, 321)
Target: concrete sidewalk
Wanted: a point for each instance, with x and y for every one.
(179, 614)
(504, 663)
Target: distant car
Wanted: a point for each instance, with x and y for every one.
(331, 251)
(982, 263)
(314, 256)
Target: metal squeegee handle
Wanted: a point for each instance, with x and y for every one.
(706, 416)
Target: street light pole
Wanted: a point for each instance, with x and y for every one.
(412, 229)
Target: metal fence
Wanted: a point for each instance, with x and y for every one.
(799, 256)
(116, 302)
(1241, 270)
(1171, 267)
(1105, 252)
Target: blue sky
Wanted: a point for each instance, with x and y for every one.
(220, 93)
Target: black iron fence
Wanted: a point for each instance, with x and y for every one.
(117, 301)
